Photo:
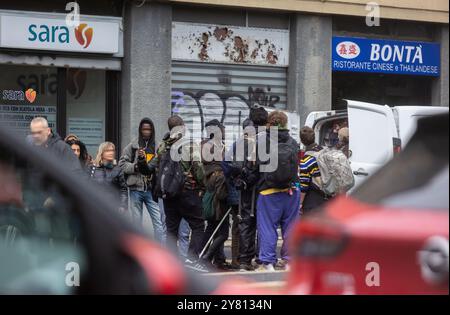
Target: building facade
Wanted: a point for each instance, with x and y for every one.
(205, 59)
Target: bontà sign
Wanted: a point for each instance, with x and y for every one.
(50, 32)
(385, 56)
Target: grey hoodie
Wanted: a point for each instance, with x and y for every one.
(129, 159)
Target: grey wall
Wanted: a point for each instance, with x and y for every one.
(233, 17)
(439, 92)
(309, 74)
(146, 73)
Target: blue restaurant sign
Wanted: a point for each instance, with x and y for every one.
(385, 56)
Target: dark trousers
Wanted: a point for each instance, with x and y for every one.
(247, 228)
(235, 235)
(220, 256)
(313, 199)
(216, 248)
(188, 206)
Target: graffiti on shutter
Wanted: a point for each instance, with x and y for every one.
(202, 92)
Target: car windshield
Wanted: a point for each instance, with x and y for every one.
(40, 249)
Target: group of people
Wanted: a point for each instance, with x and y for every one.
(191, 190)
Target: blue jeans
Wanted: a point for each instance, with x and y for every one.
(183, 238)
(137, 199)
(184, 232)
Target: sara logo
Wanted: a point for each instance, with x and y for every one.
(348, 50)
(19, 95)
(30, 94)
(60, 34)
(83, 34)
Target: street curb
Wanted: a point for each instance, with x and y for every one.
(252, 275)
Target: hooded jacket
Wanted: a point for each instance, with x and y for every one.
(283, 137)
(194, 168)
(214, 177)
(128, 162)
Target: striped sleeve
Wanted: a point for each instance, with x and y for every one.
(308, 169)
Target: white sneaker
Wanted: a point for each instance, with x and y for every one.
(266, 268)
(196, 266)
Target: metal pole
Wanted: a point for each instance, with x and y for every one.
(214, 234)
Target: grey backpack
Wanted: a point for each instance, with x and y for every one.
(335, 172)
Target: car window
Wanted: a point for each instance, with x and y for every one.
(328, 132)
(432, 195)
(41, 247)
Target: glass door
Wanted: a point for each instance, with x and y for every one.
(27, 92)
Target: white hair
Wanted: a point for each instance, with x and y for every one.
(40, 120)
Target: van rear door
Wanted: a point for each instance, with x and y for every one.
(407, 116)
(373, 136)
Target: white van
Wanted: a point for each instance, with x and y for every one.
(376, 132)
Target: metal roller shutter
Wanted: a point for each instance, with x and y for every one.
(205, 91)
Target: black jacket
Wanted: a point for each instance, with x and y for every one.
(195, 168)
(283, 137)
(112, 177)
(240, 168)
(56, 146)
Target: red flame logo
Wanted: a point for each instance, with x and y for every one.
(84, 34)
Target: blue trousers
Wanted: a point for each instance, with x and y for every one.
(184, 233)
(138, 199)
(272, 211)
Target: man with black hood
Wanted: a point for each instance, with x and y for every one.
(140, 185)
(187, 203)
(44, 137)
(213, 151)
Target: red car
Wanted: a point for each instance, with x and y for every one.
(391, 236)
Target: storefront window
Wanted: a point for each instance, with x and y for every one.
(27, 92)
(86, 106)
(393, 90)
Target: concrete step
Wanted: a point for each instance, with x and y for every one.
(257, 276)
(228, 242)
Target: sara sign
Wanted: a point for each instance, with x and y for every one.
(52, 33)
(385, 56)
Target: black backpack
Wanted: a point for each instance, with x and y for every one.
(287, 170)
(171, 177)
